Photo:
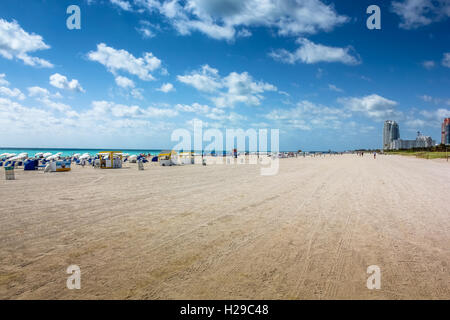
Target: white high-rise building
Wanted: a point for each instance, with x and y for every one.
(391, 132)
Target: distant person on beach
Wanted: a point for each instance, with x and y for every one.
(374, 155)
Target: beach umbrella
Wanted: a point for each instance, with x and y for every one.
(7, 155)
(19, 157)
(53, 157)
(56, 156)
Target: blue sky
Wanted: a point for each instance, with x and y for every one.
(139, 69)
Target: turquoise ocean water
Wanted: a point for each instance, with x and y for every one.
(68, 152)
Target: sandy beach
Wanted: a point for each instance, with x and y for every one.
(226, 232)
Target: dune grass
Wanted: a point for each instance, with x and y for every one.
(423, 154)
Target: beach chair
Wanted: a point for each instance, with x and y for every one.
(29, 165)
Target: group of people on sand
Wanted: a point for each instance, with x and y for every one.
(361, 154)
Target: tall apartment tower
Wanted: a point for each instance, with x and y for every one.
(445, 138)
(391, 132)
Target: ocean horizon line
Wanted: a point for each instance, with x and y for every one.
(70, 151)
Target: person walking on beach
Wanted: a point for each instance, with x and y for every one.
(374, 155)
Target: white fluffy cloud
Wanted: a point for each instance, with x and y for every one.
(224, 19)
(121, 60)
(218, 115)
(307, 115)
(123, 4)
(130, 87)
(17, 43)
(38, 92)
(221, 116)
(436, 115)
(57, 106)
(166, 87)
(102, 119)
(240, 88)
(107, 108)
(417, 13)
(146, 32)
(372, 106)
(416, 123)
(446, 60)
(430, 118)
(61, 82)
(230, 90)
(3, 81)
(147, 29)
(124, 82)
(44, 96)
(244, 33)
(49, 118)
(206, 79)
(137, 93)
(310, 52)
(15, 117)
(195, 108)
(12, 93)
(161, 112)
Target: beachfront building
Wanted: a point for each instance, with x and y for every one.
(392, 141)
(421, 141)
(391, 132)
(402, 144)
(445, 137)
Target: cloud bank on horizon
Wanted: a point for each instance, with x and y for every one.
(139, 69)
